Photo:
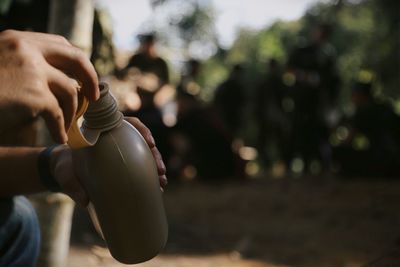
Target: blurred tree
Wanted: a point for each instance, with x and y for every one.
(366, 35)
(103, 55)
(385, 42)
(189, 24)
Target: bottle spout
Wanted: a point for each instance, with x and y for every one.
(102, 114)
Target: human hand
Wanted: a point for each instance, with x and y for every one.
(35, 78)
(148, 137)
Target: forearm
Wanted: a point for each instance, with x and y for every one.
(18, 171)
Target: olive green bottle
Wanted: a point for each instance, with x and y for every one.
(120, 175)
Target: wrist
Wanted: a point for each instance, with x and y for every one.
(47, 161)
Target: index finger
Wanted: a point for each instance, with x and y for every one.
(75, 63)
(143, 130)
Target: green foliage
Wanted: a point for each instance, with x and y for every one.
(198, 24)
(209, 79)
(365, 36)
(187, 26)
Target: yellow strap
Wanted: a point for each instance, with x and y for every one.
(76, 139)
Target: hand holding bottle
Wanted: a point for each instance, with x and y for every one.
(35, 73)
(63, 171)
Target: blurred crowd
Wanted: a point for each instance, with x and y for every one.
(300, 127)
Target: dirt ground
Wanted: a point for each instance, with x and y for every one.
(292, 222)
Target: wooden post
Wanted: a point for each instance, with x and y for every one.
(73, 19)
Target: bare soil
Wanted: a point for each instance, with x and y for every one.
(268, 223)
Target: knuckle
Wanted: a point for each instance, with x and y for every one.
(37, 84)
(15, 42)
(8, 34)
(53, 109)
(31, 63)
(61, 39)
(78, 56)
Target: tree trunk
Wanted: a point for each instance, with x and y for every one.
(73, 19)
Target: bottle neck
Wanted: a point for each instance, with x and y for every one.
(102, 114)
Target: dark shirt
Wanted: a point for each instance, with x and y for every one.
(317, 80)
(229, 101)
(155, 65)
(380, 125)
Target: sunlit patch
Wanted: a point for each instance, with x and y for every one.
(131, 101)
(165, 95)
(342, 133)
(148, 82)
(237, 144)
(349, 109)
(235, 255)
(193, 88)
(252, 169)
(396, 105)
(278, 169)
(315, 167)
(333, 140)
(289, 79)
(360, 142)
(365, 76)
(169, 119)
(189, 172)
(288, 104)
(248, 153)
(297, 166)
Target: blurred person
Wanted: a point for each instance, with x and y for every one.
(149, 113)
(188, 84)
(370, 139)
(148, 72)
(34, 81)
(313, 89)
(200, 141)
(229, 99)
(146, 60)
(270, 117)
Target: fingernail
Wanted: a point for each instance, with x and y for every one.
(163, 167)
(62, 139)
(164, 181)
(65, 138)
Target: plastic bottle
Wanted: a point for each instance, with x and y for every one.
(119, 173)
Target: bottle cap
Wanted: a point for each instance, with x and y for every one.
(100, 116)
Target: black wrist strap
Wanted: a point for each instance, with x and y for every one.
(43, 164)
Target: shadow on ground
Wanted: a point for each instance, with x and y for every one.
(287, 222)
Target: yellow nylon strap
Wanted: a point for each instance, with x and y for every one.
(76, 139)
